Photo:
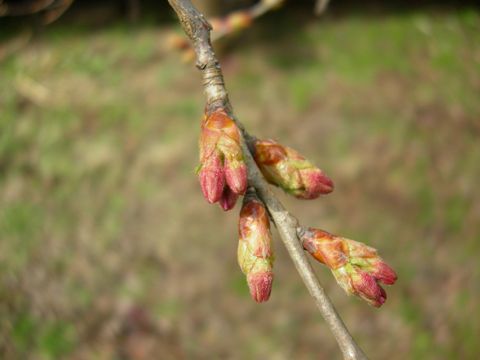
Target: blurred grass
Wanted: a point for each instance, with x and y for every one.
(101, 214)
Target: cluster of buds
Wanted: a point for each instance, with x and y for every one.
(284, 167)
(255, 255)
(223, 173)
(223, 178)
(357, 267)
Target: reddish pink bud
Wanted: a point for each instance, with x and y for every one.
(212, 178)
(357, 267)
(316, 183)
(368, 289)
(286, 168)
(236, 176)
(221, 159)
(384, 273)
(260, 285)
(228, 199)
(255, 255)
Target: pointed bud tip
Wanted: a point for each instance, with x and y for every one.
(212, 179)
(385, 273)
(260, 285)
(316, 183)
(228, 199)
(236, 177)
(380, 300)
(367, 288)
(327, 184)
(212, 185)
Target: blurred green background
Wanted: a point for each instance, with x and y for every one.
(109, 251)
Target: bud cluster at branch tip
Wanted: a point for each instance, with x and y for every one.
(255, 254)
(286, 168)
(222, 173)
(356, 267)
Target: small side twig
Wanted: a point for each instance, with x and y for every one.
(198, 30)
(257, 10)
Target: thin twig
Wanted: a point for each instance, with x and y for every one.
(257, 10)
(198, 30)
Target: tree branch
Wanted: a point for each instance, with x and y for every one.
(198, 30)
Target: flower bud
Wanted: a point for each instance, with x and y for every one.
(236, 175)
(212, 177)
(260, 285)
(286, 168)
(356, 267)
(255, 255)
(221, 159)
(228, 199)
